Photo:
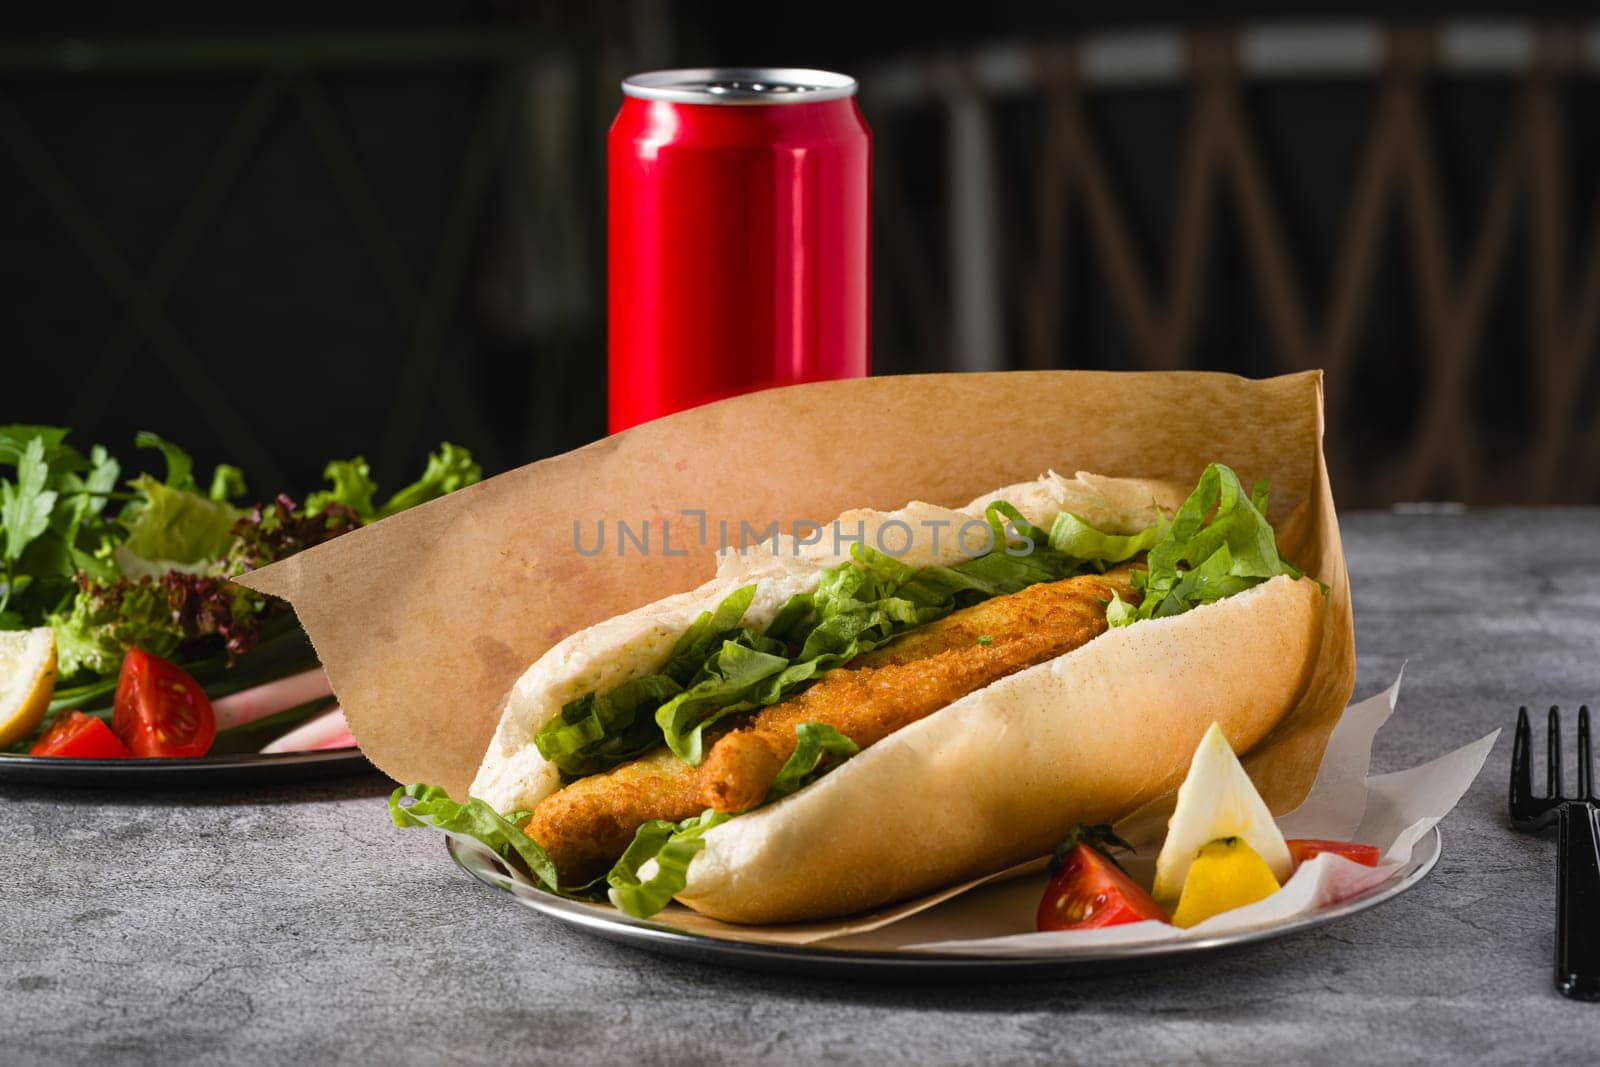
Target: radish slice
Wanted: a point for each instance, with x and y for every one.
(279, 695)
(328, 730)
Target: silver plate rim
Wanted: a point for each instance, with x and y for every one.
(483, 866)
(672, 85)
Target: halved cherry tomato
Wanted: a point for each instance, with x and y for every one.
(1303, 848)
(1089, 889)
(79, 736)
(160, 710)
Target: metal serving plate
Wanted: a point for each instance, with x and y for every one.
(903, 965)
(245, 768)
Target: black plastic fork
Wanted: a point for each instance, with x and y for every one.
(1578, 848)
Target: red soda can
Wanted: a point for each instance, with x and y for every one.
(737, 245)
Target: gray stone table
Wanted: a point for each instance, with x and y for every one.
(294, 925)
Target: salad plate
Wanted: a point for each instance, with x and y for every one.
(902, 964)
(240, 769)
(125, 636)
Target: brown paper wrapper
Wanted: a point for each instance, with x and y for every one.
(424, 621)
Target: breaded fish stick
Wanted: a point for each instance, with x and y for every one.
(587, 825)
(912, 678)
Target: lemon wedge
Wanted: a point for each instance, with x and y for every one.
(1217, 800)
(27, 680)
(1227, 874)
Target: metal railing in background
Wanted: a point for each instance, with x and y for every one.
(1398, 197)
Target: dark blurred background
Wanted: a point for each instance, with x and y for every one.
(290, 233)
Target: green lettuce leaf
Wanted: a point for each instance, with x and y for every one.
(817, 741)
(1072, 535)
(172, 525)
(227, 482)
(474, 820)
(174, 528)
(1217, 545)
(448, 469)
(599, 731)
(352, 486)
(105, 621)
(671, 845)
(180, 467)
(736, 678)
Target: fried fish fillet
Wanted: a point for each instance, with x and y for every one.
(911, 678)
(587, 825)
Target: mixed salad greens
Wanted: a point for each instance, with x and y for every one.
(1219, 543)
(113, 565)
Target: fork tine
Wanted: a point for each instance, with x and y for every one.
(1521, 764)
(1585, 761)
(1553, 754)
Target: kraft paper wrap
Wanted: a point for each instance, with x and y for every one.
(425, 620)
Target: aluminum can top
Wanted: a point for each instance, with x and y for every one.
(740, 85)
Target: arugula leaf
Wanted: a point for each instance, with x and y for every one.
(90, 538)
(101, 480)
(58, 454)
(474, 820)
(816, 742)
(671, 845)
(51, 515)
(25, 505)
(1217, 545)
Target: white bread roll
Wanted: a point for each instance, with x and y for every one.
(996, 777)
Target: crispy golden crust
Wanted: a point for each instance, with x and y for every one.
(587, 825)
(911, 678)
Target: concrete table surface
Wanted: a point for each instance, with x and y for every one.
(294, 925)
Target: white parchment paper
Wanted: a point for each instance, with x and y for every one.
(1391, 811)
(995, 915)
